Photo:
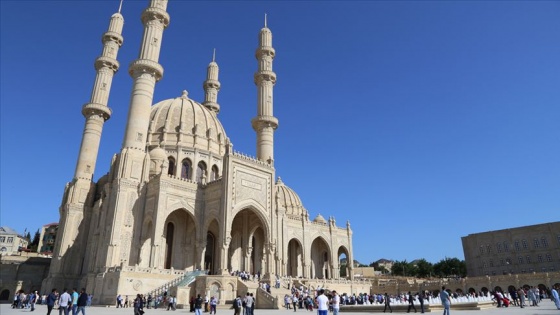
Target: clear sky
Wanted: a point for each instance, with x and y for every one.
(420, 122)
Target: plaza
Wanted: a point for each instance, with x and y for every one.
(545, 307)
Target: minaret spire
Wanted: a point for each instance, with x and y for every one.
(212, 86)
(145, 72)
(265, 123)
(96, 111)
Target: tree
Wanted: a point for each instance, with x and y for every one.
(424, 269)
(401, 268)
(35, 243)
(450, 267)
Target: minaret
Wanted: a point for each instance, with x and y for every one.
(96, 111)
(78, 194)
(265, 123)
(212, 86)
(145, 72)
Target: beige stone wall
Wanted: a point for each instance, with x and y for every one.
(24, 273)
(517, 250)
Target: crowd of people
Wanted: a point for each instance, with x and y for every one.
(64, 302)
(300, 298)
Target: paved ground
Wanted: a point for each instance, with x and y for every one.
(545, 308)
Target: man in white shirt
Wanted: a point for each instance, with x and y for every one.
(323, 303)
(335, 302)
(64, 302)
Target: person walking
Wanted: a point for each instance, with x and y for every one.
(322, 303)
(335, 302)
(213, 303)
(411, 302)
(138, 305)
(237, 304)
(445, 301)
(82, 302)
(421, 300)
(198, 305)
(51, 299)
(555, 296)
(64, 303)
(387, 303)
(521, 294)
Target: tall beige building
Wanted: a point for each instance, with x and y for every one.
(527, 249)
(177, 197)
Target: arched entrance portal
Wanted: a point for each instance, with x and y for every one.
(247, 247)
(320, 262)
(295, 259)
(180, 236)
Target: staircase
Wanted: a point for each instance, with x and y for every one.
(184, 280)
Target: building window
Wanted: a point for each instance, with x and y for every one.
(488, 249)
(499, 247)
(200, 172)
(525, 245)
(517, 248)
(544, 242)
(10, 239)
(536, 243)
(481, 249)
(502, 262)
(215, 172)
(508, 261)
(548, 257)
(520, 260)
(484, 264)
(540, 258)
(506, 247)
(186, 169)
(491, 263)
(528, 259)
(2, 239)
(171, 168)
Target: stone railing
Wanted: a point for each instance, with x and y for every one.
(266, 300)
(246, 157)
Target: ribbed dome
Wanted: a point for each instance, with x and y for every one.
(288, 200)
(319, 219)
(187, 123)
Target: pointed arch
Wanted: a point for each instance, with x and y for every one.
(200, 171)
(186, 169)
(215, 172)
(294, 264)
(320, 259)
(171, 166)
(180, 240)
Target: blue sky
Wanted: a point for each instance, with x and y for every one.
(420, 122)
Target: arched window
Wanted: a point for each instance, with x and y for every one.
(215, 173)
(186, 169)
(171, 168)
(200, 172)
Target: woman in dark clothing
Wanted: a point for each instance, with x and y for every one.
(138, 305)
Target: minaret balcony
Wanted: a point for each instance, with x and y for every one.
(153, 13)
(91, 109)
(265, 75)
(112, 36)
(265, 51)
(260, 122)
(140, 66)
(106, 62)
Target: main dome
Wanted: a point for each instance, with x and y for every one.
(183, 122)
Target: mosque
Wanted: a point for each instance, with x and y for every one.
(177, 197)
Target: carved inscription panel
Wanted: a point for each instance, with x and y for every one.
(250, 186)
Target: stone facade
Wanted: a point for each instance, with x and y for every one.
(527, 249)
(177, 197)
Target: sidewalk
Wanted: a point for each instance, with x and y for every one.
(546, 307)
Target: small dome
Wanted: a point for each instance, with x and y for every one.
(158, 154)
(288, 200)
(319, 219)
(186, 123)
